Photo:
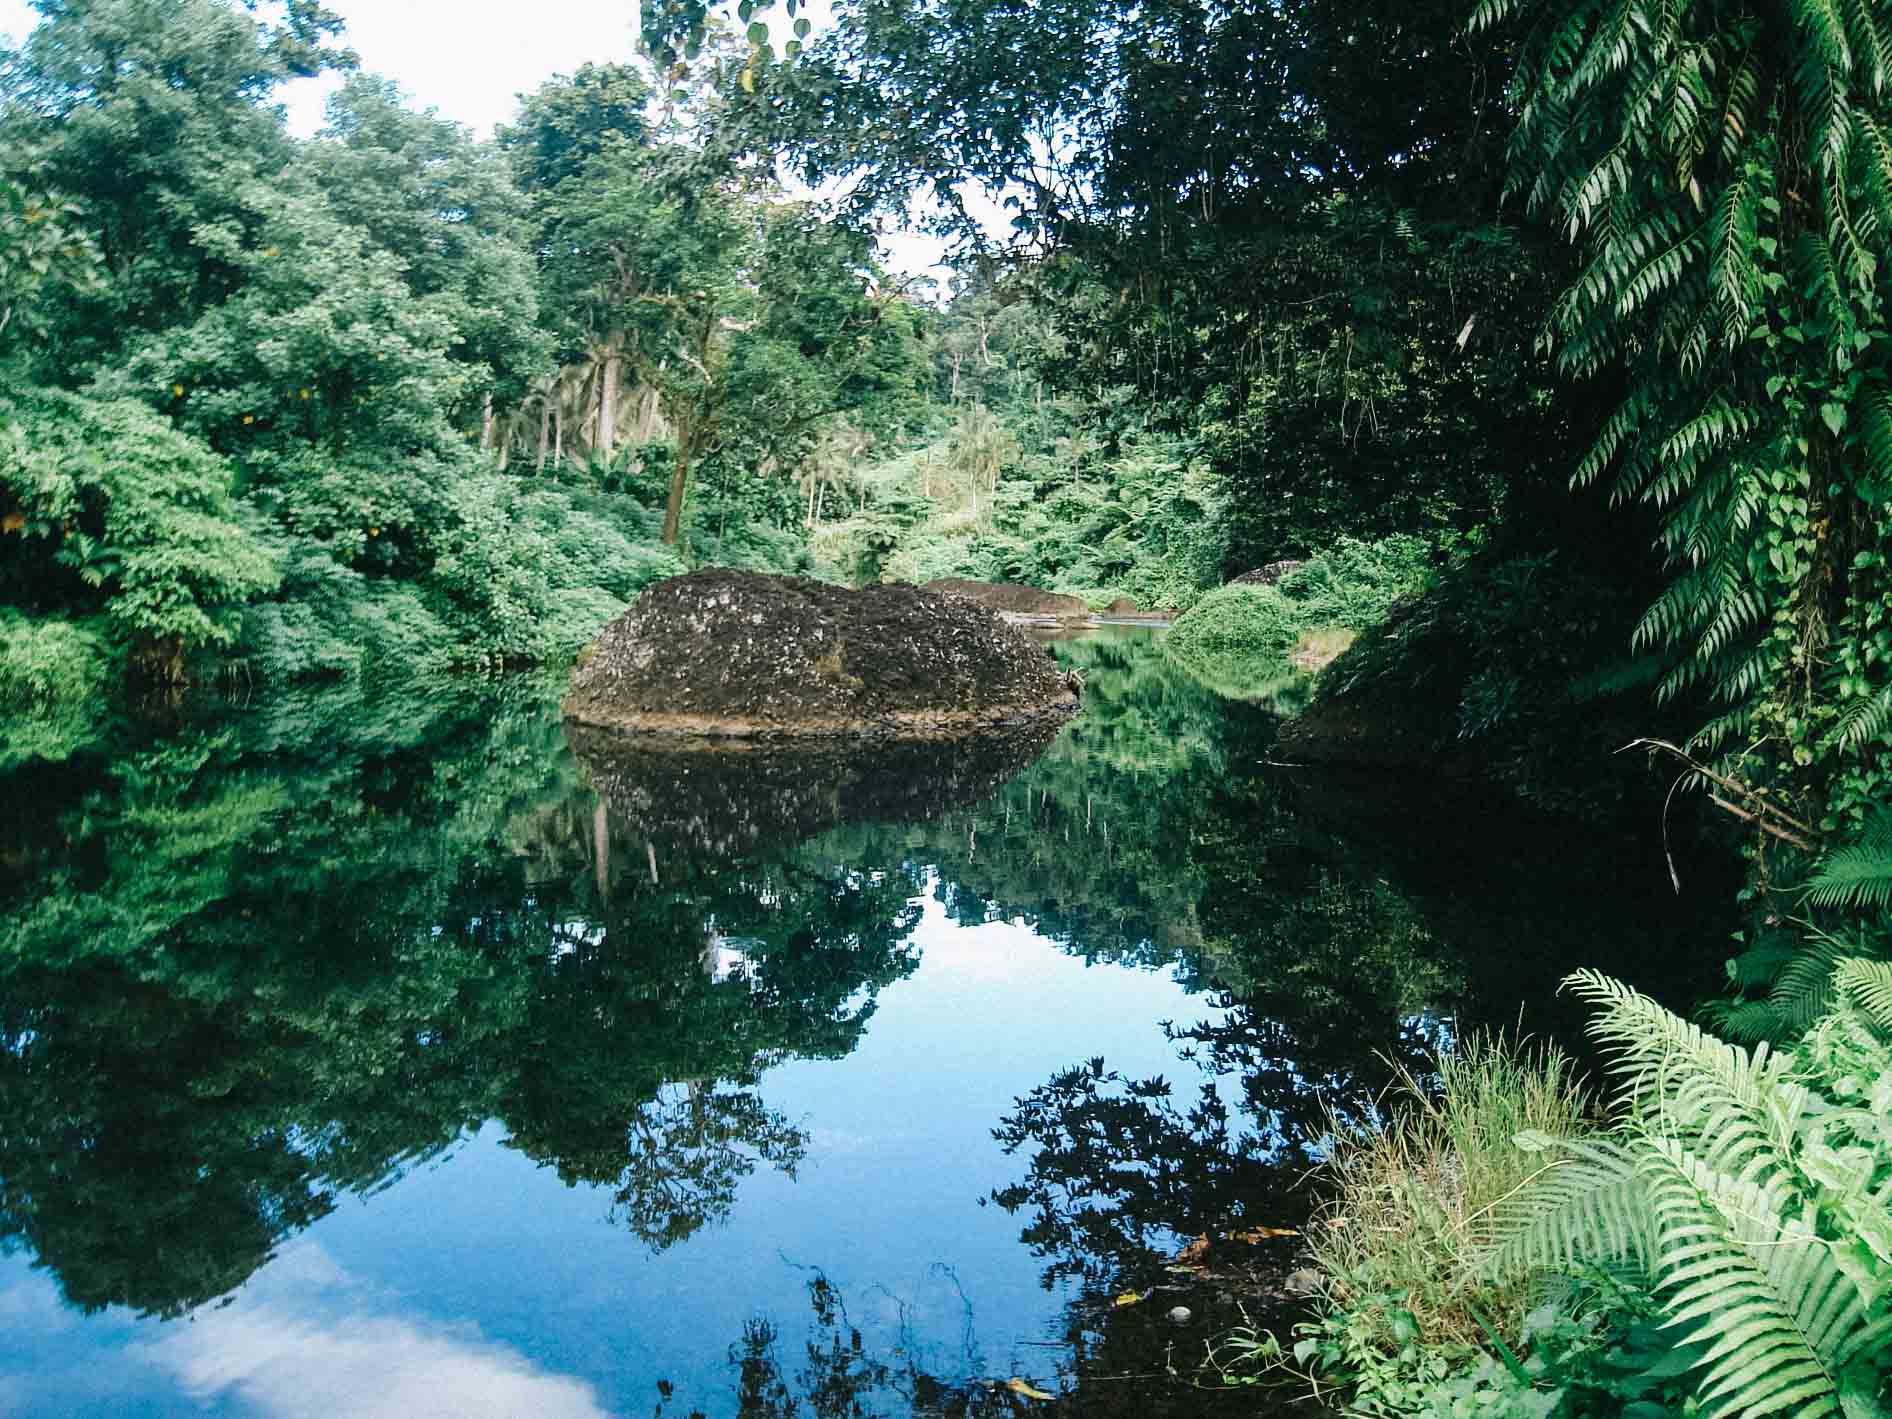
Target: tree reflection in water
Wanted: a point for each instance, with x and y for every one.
(240, 978)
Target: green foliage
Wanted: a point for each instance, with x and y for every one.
(445, 205)
(1858, 873)
(153, 120)
(1409, 1197)
(1723, 169)
(119, 512)
(43, 248)
(1785, 980)
(1746, 1190)
(1352, 586)
(49, 663)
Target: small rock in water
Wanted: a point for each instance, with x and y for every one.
(1179, 1315)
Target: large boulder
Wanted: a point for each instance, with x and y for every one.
(740, 654)
(1015, 600)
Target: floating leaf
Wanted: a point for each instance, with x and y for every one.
(1194, 1252)
(1255, 1236)
(1024, 1387)
(1130, 1298)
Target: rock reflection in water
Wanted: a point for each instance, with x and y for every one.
(692, 801)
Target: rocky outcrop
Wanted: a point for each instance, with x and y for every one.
(1268, 575)
(1122, 606)
(739, 654)
(1014, 600)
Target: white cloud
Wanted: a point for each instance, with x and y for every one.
(317, 1361)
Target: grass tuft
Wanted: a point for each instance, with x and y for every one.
(1410, 1202)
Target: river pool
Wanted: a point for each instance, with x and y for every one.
(359, 1056)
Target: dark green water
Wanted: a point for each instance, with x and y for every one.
(381, 1057)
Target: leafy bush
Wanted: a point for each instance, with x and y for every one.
(49, 663)
(121, 513)
(1242, 631)
(332, 622)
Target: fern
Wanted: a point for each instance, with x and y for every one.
(1868, 984)
(1859, 873)
(1726, 173)
(1715, 1185)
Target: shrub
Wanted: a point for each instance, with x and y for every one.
(49, 663)
(1244, 632)
(118, 511)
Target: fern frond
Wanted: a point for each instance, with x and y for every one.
(1586, 1207)
(1782, 1319)
(1865, 719)
(1868, 984)
(1697, 1083)
(1872, 49)
(1804, 991)
(1858, 873)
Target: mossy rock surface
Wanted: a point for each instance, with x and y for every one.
(740, 654)
(1016, 600)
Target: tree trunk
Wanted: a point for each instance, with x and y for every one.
(486, 422)
(673, 505)
(608, 400)
(545, 431)
(558, 435)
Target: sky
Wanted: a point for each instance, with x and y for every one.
(470, 59)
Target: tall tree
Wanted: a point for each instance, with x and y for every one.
(425, 191)
(1274, 221)
(750, 320)
(151, 117)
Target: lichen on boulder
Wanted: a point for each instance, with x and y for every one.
(742, 654)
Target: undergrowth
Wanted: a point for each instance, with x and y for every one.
(1244, 632)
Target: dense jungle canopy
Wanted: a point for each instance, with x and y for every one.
(1277, 274)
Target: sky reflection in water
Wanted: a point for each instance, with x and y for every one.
(539, 1103)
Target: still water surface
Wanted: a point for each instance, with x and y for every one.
(373, 1057)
